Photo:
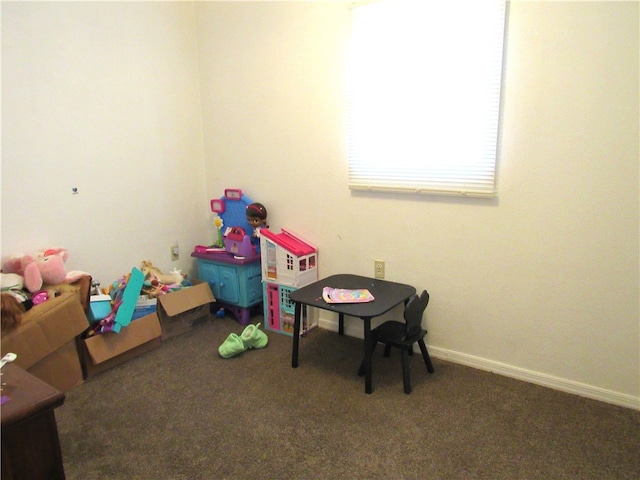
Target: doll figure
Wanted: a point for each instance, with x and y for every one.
(257, 217)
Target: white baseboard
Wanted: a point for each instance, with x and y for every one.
(556, 383)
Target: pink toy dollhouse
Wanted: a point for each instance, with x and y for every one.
(288, 262)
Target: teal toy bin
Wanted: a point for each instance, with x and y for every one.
(99, 307)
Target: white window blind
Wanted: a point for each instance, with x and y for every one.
(424, 80)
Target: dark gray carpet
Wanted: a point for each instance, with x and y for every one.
(182, 412)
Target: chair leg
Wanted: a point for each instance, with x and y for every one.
(387, 349)
(405, 370)
(425, 356)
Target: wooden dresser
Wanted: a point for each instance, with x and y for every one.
(30, 443)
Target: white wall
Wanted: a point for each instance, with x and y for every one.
(103, 97)
(540, 283)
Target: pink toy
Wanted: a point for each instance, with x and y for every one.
(40, 297)
(238, 243)
(42, 268)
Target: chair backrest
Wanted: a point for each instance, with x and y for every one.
(413, 313)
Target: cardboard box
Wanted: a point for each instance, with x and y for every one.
(107, 350)
(179, 310)
(45, 342)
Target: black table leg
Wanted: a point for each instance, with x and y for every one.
(367, 355)
(341, 324)
(296, 336)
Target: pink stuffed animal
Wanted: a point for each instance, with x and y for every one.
(43, 268)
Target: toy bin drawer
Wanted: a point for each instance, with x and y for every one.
(229, 285)
(254, 270)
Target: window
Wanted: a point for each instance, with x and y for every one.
(424, 82)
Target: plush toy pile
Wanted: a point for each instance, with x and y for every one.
(29, 279)
(40, 269)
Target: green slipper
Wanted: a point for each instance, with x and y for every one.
(231, 346)
(253, 337)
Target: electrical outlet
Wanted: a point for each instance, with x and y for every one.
(175, 252)
(378, 266)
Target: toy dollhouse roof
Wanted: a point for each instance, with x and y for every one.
(289, 241)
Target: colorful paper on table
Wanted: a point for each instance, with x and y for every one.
(344, 295)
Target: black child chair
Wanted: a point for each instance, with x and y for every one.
(403, 335)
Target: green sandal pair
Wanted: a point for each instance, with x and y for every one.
(251, 337)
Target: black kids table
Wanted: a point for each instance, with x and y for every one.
(387, 296)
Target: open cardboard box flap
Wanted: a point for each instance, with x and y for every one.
(186, 299)
(106, 346)
(46, 328)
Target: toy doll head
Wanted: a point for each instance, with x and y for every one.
(12, 310)
(256, 215)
